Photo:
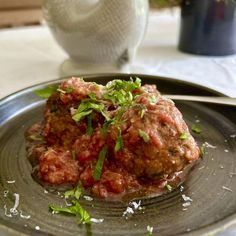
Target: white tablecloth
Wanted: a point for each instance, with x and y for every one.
(29, 55)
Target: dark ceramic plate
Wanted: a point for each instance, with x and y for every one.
(211, 185)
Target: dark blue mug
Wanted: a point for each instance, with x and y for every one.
(208, 27)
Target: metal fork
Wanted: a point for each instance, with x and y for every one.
(206, 99)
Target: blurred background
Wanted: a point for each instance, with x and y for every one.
(15, 13)
(18, 13)
(194, 42)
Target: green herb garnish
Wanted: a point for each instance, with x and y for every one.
(202, 150)
(92, 96)
(87, 107)
(142, 112)
(153, 99)
(46, 92)
(119, 142)
(143, 135)
(76, 209)
(196, 129)
(69, 89)
(76, 192)
(119, 92)
(36, 137)
(79, 115)
(99, 165)
(169, 187)
(89, 130)
(183, 136)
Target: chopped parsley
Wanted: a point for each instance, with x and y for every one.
(87, 107)
(69, 89)
(183, 136)
(142, 112)
(119, 92)
(46, 92)
(36, 137)
(202, 150)
(76, 192)
(153, 99)
(89, 130)
(143, 135)
(99, 165)
(75, 209)
(196, 129)
(92, 96)
(119, 142)
(169, 187)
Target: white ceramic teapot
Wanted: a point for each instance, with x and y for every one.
(97, 31)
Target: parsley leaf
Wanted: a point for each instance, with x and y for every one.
(76, 192)
(69, 89)
(89, 130)
(142, 112)
(98, 168)
(78, 116)
(183, 136)
(119, 92)
(87, 107)
(202, 150)
(46, 92)
(92, 96)
(196, 129)
(169, 187)
(143, 135)
(119, 142)
(153, 99)
(76, 209)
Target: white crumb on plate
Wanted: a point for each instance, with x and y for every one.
(14, 210)
(94, 220)
(136, 205)
(202, 167)
(24, 216)
(128, 210)
(186, 204)
(5, 193)
(227, 189)
(149, 229)
(208, 145)
(88, 198)
(186, 198)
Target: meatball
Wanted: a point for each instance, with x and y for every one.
(151, 142)
(135, 139)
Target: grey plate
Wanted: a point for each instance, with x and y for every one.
(211, 185)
